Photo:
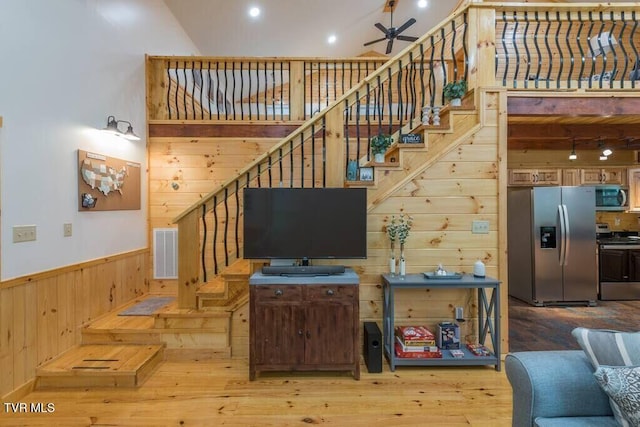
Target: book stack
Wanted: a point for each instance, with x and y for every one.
(416, 342)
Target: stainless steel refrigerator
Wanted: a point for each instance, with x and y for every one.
(552, 245)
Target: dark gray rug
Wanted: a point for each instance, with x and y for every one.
(146, 307)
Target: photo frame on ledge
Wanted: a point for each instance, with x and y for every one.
(365, 173)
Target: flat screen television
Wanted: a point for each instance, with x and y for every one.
(305, 223)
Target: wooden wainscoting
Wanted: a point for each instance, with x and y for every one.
(41, 315)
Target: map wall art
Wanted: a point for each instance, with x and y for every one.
(106, 183)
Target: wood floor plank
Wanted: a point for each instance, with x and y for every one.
(218, 392)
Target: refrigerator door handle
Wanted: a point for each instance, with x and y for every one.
(562, 235)
(567, 236)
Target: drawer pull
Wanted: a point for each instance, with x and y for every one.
(330, 292)
(278, 292)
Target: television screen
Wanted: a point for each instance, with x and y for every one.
(299, 223)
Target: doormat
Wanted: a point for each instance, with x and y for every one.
(146, 307)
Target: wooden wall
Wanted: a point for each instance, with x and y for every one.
(182, 170)
(41, 315)
(443, 200)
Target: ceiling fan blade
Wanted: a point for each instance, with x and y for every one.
(407, 38)
(382, 28)
(374, 41)
(406, 25)
(389, 47)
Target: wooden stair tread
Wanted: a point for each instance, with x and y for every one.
(100, 359)
(100, 365)
(240, 268)
(215, 288)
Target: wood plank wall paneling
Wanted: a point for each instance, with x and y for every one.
(41, 316)
(443, 199)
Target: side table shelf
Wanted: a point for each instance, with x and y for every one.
(488, 318)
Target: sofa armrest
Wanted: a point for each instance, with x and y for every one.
(553, 384)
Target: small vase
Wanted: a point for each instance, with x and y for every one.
(403, 266)
(426, 115)
(456, 102)
(392, 265)
(378, 157)
(436, 116)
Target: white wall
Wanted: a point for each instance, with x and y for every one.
(65, 66)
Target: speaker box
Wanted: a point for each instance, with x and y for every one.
(372, 347)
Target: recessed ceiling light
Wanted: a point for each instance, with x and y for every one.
(422, 3)
(254, 12)
(331, 39)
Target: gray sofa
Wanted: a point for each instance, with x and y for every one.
(556, 389)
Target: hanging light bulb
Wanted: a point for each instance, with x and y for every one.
(605, 151)
(573, 155)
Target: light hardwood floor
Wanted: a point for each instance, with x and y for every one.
(218, 392)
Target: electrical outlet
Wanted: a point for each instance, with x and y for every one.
(459, 313)
(24, 233)
(480, 227)
(67, 230)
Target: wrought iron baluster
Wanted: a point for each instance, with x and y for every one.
(224, 99)
(571, 57)
(269, 171)
(226, 227)
(203, 258)
(233, 89)
(560, 51)
(527, 53)
(548, 47)
(302, 160)
(582, 57)
(237, 195)
(185, 89)
(242, 90)
(215, 235)
(504, 48)
(313, 155)
(169, 88)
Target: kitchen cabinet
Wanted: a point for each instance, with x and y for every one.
(571, 177)
(527, 177)
(301, 323)
(603, 176)
(634, 190)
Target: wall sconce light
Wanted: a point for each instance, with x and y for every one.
(573, 155)
(112, 127)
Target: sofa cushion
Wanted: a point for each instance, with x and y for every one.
(622, 384)
(576, 422)
(610, 348)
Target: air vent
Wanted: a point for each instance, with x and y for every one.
(165, 253)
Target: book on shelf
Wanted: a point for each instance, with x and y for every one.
(416, 354)
(415, 335)
(412, 347)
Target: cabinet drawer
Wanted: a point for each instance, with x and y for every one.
(276, 293)
(330, 291)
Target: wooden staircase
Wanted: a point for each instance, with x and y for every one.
(122, 351)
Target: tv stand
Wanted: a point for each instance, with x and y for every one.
(302, 270)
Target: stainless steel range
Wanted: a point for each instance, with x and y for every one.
(619, 264)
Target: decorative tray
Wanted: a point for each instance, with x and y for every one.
(433, 275)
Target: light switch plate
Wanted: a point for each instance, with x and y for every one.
(480, 227)
(24, 233)
(68, 230)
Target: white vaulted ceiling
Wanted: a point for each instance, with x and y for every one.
(300, 28)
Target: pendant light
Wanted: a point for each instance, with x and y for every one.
(573, 155)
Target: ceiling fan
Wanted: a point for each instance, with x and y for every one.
(392, 32)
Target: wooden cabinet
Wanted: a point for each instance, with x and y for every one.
(603, 176)
(527, 177)
(304, 323)
(634, 190)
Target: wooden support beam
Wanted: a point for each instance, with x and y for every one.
(572, 106)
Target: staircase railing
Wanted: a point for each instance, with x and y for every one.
(536, 46)
(389, 100)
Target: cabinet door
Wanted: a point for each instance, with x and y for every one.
(331, 323)
(614, 176)
(634, 265)
(591, 176)
(548, 177)
(521, 176)
(278, 322)
(571, 177)
(613, 265)
(634, 190)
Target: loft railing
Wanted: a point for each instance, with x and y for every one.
(567, 47)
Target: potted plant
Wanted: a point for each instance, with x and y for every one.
(379, 145)
(454, 91)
